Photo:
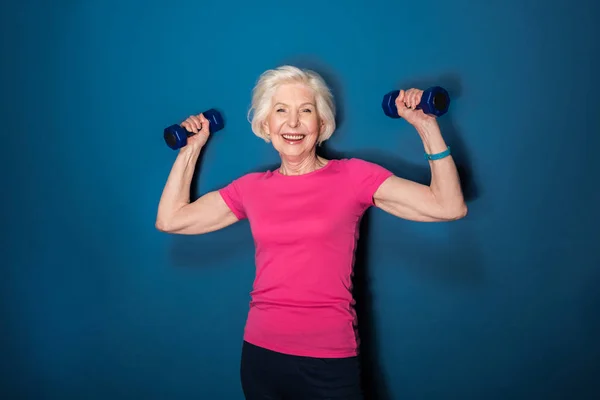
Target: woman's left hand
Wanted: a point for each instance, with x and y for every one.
(406, 103)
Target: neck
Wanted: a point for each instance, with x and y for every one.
(301, 165)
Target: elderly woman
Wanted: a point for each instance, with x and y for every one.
(300, 339)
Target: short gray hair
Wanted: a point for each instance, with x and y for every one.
(268, 83)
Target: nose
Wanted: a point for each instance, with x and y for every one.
(293, 120)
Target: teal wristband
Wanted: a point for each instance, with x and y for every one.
(438, 156)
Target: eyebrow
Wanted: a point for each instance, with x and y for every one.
(303, 104)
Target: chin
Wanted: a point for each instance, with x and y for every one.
(292, 151)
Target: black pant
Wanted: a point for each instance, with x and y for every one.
(269, 375)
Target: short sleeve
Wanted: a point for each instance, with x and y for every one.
(233, 197)
(366, 177)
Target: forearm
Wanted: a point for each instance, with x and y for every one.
(445, 182)
(176, 193)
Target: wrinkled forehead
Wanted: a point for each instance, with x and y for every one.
(293, 93)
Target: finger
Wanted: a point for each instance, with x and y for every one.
(407, 99)
(400, 101)
(188, 126)
(418, 96)
(204, 122)
(412, 101)
(196, 123)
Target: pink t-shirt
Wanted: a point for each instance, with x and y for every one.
(305, 229)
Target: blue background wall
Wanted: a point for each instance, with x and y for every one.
(97, 304)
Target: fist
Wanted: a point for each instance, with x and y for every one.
(406, 102)
(200, 129)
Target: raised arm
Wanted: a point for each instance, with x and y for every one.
(176, 214)
(443, 199)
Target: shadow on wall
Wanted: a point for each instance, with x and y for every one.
(462, 250)
(466, 270)
(457, 262)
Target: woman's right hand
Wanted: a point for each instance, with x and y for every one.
(200, 127)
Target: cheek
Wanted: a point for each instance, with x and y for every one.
(312, 123)
(276, 121)
(271, 124)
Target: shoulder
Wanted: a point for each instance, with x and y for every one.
(248, 182)
(240, 188)
(254, 176)
(354, 162)
(358, 165)
(365, 178)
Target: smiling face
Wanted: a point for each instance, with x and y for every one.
(293, 123)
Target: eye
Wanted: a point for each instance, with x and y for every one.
(280, 110)
(308, 110)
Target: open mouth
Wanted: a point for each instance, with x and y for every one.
(293, 138)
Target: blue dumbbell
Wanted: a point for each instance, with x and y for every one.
(176, 136)
(435, 101)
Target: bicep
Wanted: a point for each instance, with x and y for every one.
(207, 214)
(408, 200)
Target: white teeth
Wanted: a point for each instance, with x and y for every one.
(293, 137)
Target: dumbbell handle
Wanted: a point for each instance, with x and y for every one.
(434, 101)
(176, 136)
